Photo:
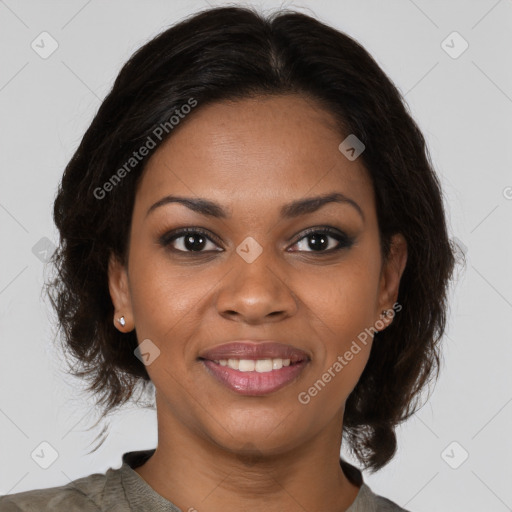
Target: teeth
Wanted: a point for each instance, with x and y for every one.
(249, 365)
(277, 364)
(246, 365)
(263, 365)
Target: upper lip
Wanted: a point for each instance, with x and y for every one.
(247, 349)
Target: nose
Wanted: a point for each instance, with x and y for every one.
(256, 292)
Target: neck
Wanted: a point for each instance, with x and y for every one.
(195, 473)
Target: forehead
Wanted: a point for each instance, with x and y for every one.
(255, 151)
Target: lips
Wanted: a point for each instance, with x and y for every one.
(247, 349)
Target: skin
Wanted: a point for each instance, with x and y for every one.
(218, 450)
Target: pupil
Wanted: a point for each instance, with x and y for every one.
(318, 241)
(191, 246)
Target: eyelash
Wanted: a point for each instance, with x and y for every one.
(344, 241)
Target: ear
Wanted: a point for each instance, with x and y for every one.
(391, 273)
(120, 294)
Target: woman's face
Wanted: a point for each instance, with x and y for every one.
(254, 273)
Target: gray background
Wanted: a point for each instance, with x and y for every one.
(464, 107)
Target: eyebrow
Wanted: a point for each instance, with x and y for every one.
(288, 211)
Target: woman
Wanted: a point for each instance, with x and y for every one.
(252, 225)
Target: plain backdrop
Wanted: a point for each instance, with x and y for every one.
(455, 453)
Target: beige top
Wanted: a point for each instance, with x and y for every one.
(123, 490)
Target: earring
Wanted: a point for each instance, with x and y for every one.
(385, 312)
(122, 321)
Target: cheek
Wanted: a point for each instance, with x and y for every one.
(164, 306)
(344, 297)
(342, 314)
(343, 344)
(163, 301)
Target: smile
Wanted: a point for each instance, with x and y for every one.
(259, 365)
(254, 377)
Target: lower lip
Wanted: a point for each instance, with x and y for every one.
(254, 383)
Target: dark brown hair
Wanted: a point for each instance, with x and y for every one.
(233, 53)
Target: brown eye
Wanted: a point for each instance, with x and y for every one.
(323, 240)
(188, 240)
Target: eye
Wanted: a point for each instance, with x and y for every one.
(319, 240)
(188, 240)
(196, 240)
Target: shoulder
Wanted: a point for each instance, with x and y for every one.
(91, 493)
(368, 501)
(386, 505)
